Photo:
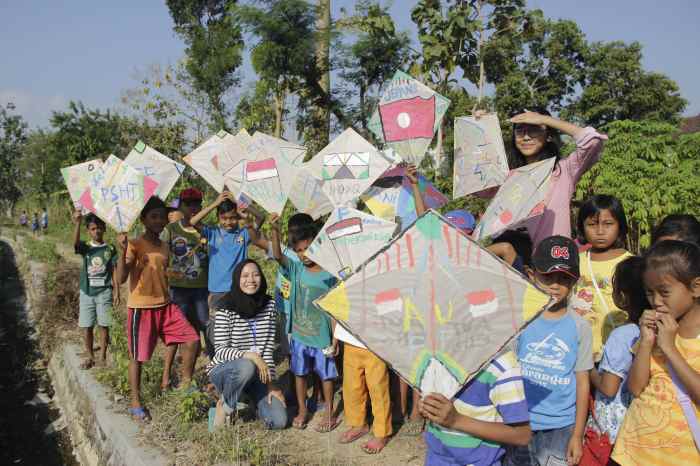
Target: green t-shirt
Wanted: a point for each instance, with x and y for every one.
(188, 264)
(310, 325)
(98, 264)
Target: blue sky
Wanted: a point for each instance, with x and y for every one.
(54, 52)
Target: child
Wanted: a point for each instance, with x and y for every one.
(658, 428)
(151, 314)
(44, 220)
(555, 355)
(612, 397)
(35, 223)
(312, 347)
(536, 138)
(98, 285)
(228, 243)
(682, 227)
(602, 224)
(23, 219)
(488, 412)
(187, 269)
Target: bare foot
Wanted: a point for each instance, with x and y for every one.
(220, 416)
(375, 445)
(353, 434)
(300, 421)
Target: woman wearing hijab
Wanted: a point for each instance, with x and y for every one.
(244, 337)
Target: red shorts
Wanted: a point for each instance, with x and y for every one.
(144, 326)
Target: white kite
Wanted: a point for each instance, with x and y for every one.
(307, 194)
(157, 166)
(80, 177)
(213, 158)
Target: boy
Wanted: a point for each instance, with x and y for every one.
(44, 220)
(312, 347)
(98, 285)
(35, 223)
(555, 355)
(187, 270)
(490, 411)
(151, 314)
(228, 243)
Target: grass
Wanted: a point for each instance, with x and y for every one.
(41, 250)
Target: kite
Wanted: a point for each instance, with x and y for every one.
(293, 153)
(391, 196)
(80, 177)
(157, 166)
(347, 166)
(408, 115)
(307, 194)
(349, 238)
(480, 156)
(118, 193)
(434, 305)
(522, 196)
(213, 158)
(264, 183)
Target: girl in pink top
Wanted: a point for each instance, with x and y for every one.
(535, 138)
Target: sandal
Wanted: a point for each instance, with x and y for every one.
(87, 364)
(140, 414)
(353, 434)
(374, 445)
(327, 425)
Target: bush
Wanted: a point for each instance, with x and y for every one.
(41, 250)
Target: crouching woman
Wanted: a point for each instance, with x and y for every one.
(244, 338)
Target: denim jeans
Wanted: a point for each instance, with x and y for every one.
(232, 378)
(543, 445)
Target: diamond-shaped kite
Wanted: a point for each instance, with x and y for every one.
(434, 305)
(408, 115)
(213, 158)
(522, 196)
(349, 238)
(347, 166)
(391, 196)
(118, 193)
(267, 181)
(480, 156)
(157, 166)
(307, 194)
(80, 177)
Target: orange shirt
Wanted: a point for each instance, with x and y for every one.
(148, 284)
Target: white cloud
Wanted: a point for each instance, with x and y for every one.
(35, 109)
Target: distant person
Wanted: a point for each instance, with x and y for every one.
(44, 220)
(35, 223)
(23, 219)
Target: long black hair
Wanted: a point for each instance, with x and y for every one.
(683, 227)
(628, 293)
(593, 206)
(552, 145)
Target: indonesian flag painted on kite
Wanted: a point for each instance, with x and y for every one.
(261, 170)
(346, 227)
(408, 115)
(388, 301)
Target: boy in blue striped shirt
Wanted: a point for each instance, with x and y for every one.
(487, 413)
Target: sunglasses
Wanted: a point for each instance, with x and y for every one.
(531, 130)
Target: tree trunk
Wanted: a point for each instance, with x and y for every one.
(280, 98)
(323, 45)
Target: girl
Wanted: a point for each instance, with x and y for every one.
(244, 339)
(602, 224)
(658, 426)
(682, 227)
(536, 138)
(612, 397)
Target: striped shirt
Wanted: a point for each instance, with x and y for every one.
(496, 394)
(234, 336)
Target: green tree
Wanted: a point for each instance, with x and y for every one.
(13, 136)
(214, 39)
(256, 109)
(616, 87)
(652, 169)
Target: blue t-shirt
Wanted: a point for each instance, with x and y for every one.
(617, 359)
(310, 325)
(550, 352)
(226, 250)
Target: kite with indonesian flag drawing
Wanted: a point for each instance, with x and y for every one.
(408, 116)
(213, 158)
(434, 305)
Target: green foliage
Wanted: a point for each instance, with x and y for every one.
(652, 169)
(193, 405)
(13, 135)
(41, 250)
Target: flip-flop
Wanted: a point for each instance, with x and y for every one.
(140, 414)
(327, 425)
(353, 434)
(377, 446)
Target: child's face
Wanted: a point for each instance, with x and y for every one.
(601, 230)
(558, 285)
(174, 216)
(229, 220)
(300, 248)
(668, 295)
(155, 220)
(530, 139)
(96, 232)
(250, 279)
(190, 208)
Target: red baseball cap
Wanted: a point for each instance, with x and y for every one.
(190, 194)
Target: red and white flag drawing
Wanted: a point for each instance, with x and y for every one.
(261, 170)
(388, 301)
(408, 119)
(482, 303)
(345, 227)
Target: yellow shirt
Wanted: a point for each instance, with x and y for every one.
(655, 431)
(587, 303)
(148, 285)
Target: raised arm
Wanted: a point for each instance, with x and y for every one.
(505, 251)
(123, 266)
(256, 238)
(534, 118)
(276, 246)
(77, 220)
(641, 366)
(412, 175)
(207, 210)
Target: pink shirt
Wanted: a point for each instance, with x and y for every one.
(556, 219)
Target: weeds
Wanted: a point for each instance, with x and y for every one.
(41, 250)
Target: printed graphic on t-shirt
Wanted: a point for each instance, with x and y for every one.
(546, 360)
(285, 287)
(308, 319)
(186, 260)
(97, 271)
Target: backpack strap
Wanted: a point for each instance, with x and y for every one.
(687, 406)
